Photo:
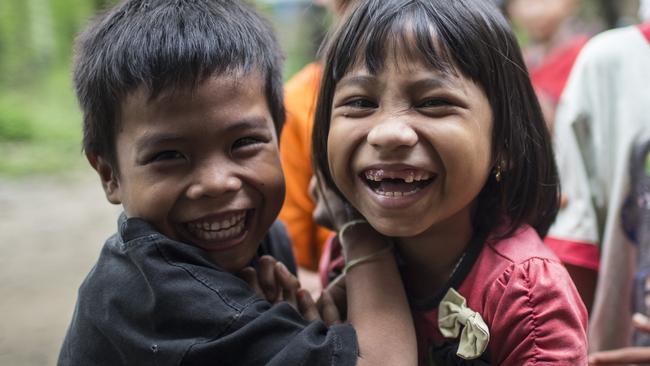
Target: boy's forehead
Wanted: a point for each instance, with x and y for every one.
(225, 89)
(236, 78)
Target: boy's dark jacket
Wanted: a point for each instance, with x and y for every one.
(150, 300)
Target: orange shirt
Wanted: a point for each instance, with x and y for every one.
(295, 151)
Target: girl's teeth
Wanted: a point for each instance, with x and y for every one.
(396, 194)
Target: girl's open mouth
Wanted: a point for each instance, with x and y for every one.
(397, 183)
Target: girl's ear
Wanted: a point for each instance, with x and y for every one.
(108, 177)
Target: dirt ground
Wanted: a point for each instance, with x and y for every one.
(51, 231)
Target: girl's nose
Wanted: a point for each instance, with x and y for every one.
(391, 135)
(212, 182)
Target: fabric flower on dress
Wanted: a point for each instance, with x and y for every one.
(456, 319)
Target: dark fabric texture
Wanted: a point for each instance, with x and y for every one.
(150, 300)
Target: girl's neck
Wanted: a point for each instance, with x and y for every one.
(431, 257)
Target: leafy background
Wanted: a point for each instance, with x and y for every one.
(40, 123)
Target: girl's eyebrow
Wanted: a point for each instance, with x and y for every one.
(358, 80)
(434, 83)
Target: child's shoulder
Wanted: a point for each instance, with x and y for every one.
(524, 245)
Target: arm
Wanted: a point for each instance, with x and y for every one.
(376, 301)
(626, 355)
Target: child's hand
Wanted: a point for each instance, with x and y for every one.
(272, 281)
(333, 302)
(628, 355)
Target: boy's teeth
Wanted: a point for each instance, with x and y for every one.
(219, 230)
(220, 234)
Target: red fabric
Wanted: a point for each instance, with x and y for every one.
(550, 77)
(580, 254)
(527, 299)
(645, 30)
(331, 260)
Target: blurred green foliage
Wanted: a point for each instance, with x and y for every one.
(40, 122)
(39, 118)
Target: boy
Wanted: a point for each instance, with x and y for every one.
(182, 105)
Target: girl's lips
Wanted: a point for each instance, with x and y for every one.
(219, 232)
(397, 180)
(397, 193)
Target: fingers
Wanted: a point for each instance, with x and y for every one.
(628, 355)
(288, 283)
(249, 274)
(267, 279)
(328, 310)
(337, 292)
(641, 322)
(307, 306)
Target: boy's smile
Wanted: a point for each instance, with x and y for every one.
(410, 147)
(202, 166)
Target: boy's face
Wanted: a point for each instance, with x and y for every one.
(202, 166)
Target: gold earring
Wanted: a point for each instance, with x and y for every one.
(497, 173)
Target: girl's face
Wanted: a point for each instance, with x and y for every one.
(410, 147)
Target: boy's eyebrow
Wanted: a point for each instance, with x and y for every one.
(248, 123)
(156, 139)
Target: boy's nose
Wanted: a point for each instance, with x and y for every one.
(212, 182)
(390, 135)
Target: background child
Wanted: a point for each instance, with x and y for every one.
(553, 39)
(182, 103)
(427, 123)
(307, 236)
(603, 154)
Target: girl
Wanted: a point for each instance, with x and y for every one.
(428, 125)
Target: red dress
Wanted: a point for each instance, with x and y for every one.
(525, 296)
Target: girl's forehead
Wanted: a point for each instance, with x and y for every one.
(402, 45)
(408, 64)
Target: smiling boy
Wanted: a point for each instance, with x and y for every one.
(182, 105)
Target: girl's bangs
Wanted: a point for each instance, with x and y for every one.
(403, 36)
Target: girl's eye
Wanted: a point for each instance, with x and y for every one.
(166, 156)
(246, 141)
(361, 103)
(434, 103)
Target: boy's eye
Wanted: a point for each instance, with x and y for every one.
(246, 141)
(166, 156)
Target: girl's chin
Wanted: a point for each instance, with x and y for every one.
(395, 229)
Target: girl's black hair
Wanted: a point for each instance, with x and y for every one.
(166, 46)
(470, 37)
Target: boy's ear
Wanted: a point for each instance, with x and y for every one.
(109, 178)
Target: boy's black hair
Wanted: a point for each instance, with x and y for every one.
(166, 46)
(470, 37)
